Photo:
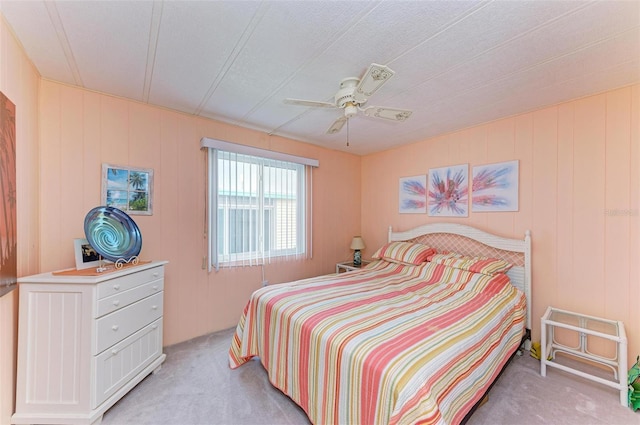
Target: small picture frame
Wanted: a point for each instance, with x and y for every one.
(129, 189)
(86, 256)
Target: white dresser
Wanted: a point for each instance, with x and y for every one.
(85, 341)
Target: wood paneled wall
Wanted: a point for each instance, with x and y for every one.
(80, 130)
(579, 189)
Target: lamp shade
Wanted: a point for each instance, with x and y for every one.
(357, 243)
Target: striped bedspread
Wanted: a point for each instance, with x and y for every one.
(388, 344)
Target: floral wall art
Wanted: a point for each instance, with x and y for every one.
(413, 194)
(448, 194)
(495, 187)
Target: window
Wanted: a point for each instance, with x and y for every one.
(258, 207)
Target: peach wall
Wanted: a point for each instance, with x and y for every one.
(81, 129)
(579, 188)
(19, 81)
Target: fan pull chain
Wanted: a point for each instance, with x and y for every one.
(347, 132)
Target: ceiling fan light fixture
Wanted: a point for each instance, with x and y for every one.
(350, 110)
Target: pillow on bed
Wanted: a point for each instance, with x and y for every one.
(405, 253)
(484, 265)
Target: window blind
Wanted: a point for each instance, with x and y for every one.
(259, 205)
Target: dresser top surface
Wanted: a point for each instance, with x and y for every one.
(49, 277)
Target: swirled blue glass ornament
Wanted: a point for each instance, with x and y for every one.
(112, 233)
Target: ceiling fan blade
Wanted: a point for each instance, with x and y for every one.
(388, 113)
(337, 125)
(372, 80)
(313, 103)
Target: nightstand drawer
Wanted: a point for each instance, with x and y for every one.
(118, 325)
(124, 298)
(124, 283)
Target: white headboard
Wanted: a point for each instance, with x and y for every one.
(468, 240)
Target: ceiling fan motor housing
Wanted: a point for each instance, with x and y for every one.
(345, 95)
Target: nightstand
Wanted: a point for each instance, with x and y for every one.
(348, 266)
(587, 328)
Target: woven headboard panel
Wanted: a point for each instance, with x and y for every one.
(449, 242)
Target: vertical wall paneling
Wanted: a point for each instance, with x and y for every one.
(475, 149)
(91, 146)
(71, 169)
(523, 151)
(544, 192)
(616, 213)
(114, 134)
(634, 225)
(166, 207)
(189, 236)
(50, 181)
(588, 195)
(567, 285)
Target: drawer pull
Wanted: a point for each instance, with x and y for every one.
(116, 286)
(154, 307)
(155, 287)
(116, 302)
(114, 327)
(114, 352)
(154, 327)
(156, 274)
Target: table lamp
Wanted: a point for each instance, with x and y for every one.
(357, 244)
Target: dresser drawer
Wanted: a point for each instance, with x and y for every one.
(117, 365)
(124, 298)
(115, 327)
(124, 283)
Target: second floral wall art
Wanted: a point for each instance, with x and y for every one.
(448, 194)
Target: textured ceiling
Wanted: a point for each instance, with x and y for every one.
(457, 63)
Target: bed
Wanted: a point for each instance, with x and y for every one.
(417, 336)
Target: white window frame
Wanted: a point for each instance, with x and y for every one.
(303, 199)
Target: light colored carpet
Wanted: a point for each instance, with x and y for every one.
(196, 387)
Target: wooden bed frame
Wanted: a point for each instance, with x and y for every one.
(471, 241)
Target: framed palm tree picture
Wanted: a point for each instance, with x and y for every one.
(129, 189)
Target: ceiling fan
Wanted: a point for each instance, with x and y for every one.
(354, 93)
